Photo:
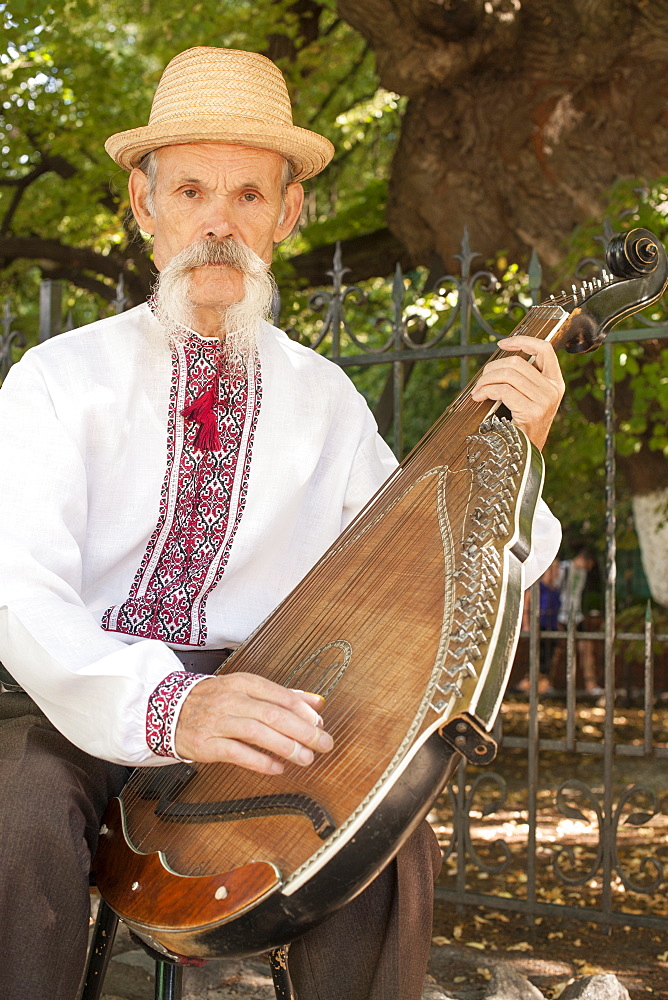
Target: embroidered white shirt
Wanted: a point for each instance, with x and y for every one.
(118, 536)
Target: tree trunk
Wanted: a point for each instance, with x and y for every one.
(521, 115)
(644, 472)
(650, 514)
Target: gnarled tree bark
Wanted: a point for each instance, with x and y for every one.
(520, 115)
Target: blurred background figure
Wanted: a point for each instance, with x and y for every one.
(550, 603)
(571, 581)
(561, 590)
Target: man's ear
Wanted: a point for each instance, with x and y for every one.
(294, 199)
(138, 189)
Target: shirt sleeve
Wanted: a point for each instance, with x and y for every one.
(93, 687)
(373, 463)
(545, 542)
(164, 707)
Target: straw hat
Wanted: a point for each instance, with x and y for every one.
(223, 95)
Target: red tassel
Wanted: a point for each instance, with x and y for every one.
(203, 412)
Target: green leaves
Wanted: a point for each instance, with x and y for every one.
(75, 72)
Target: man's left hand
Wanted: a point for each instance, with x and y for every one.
(532, 392)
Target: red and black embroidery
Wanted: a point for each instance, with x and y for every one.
(162, 709)
(202, 499)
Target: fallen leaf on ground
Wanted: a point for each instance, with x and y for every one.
(587, 969)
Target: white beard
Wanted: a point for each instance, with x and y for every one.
(240, 321)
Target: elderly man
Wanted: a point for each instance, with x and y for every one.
(168, 476)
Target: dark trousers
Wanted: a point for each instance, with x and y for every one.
(52, 797)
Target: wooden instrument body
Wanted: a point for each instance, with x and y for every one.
(410, 620)
(268, 917)
(407, 626)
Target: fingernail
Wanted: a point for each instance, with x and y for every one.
(304, 756)
(325, 742)
(311, 694)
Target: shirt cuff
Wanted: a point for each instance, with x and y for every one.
(164, 707)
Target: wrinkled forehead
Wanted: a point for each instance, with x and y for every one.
(216, 163)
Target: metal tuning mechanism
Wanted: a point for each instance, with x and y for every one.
(637, 262)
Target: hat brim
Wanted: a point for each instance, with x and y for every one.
(308, 152)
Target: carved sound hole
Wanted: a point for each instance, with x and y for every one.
(322, 669)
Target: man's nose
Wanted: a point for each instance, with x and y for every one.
(218, 222)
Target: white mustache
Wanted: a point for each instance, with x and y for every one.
(239, 321)
(211, 251)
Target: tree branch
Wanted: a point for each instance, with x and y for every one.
(281, 46)
(36, 248)
(369, 256)
(21, 184)
(345, 79)
(105, 291)
(75, 261)
(56, 164)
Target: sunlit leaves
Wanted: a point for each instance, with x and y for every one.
(75, 72)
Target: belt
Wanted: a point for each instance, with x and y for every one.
(202, 661)
(196, 661)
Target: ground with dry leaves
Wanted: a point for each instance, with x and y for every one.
(568, 842)
(465, 951)
(571, 821)
(551, 954)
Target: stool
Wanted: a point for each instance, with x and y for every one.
(168, 976)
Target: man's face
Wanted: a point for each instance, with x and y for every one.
(216, 190)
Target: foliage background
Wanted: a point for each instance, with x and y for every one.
(75, 72)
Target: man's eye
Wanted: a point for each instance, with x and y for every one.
(189, 193)
(250, 196)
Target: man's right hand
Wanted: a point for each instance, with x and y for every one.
(226, 718)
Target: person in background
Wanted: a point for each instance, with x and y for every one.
(550, 603)
(571, 581)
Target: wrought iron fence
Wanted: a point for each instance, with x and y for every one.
(598, 844)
